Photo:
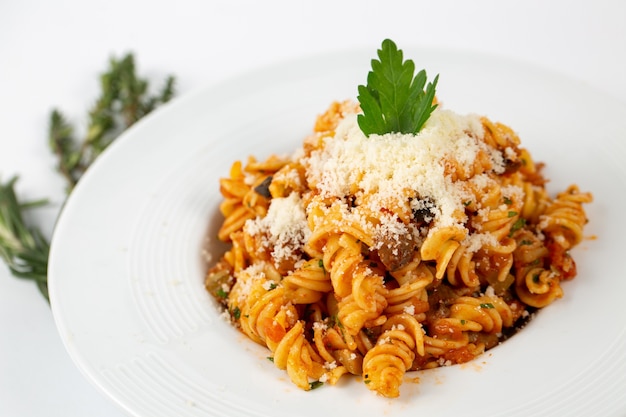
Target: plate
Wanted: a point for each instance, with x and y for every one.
(128, 253)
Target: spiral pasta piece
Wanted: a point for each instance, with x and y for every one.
(535, 285)
(294, 354)
(461, 269)
(337, 349)
(500, 136)
(440, 245)
(410, 296)
(385, 365)
(308, 284)
(564, 219)
(483, 314)
(364, 306)
(265, 315)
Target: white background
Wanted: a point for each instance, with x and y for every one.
(51, 53)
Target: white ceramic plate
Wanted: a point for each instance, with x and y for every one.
(126, 268)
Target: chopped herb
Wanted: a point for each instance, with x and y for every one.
(525, 242)
(270, 358)
(508, 201)
(519, 223)
(273, 285)
(393, 99)
(334, 320)
(367, 381)
(467, 203)
(315, 384)
(463, 322)
(512, 213)
(536, 278)
(486, 305)
(320, 263)
(236, 313)
(220, 293)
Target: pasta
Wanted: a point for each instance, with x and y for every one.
(393, 253)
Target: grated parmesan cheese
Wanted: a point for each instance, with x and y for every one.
(320, 326)
(388, 165)
(247, 278)
(475, 241)
(490, 292)
(284, 229)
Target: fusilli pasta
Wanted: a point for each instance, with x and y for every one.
(382, 255)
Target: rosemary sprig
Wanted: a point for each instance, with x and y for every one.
(124, 99)
(24, 249)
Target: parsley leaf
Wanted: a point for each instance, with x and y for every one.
(394, 100)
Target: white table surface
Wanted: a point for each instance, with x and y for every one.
(52, 51)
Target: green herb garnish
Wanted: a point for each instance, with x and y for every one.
(334, 321)
(220, 293)
(394, 100)
(486, 305)
(519, 223)
(315, 384)
(236, 313)
(512, 213)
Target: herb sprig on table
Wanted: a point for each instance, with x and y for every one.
(24, 249)
(124, 99)
(394, 100)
